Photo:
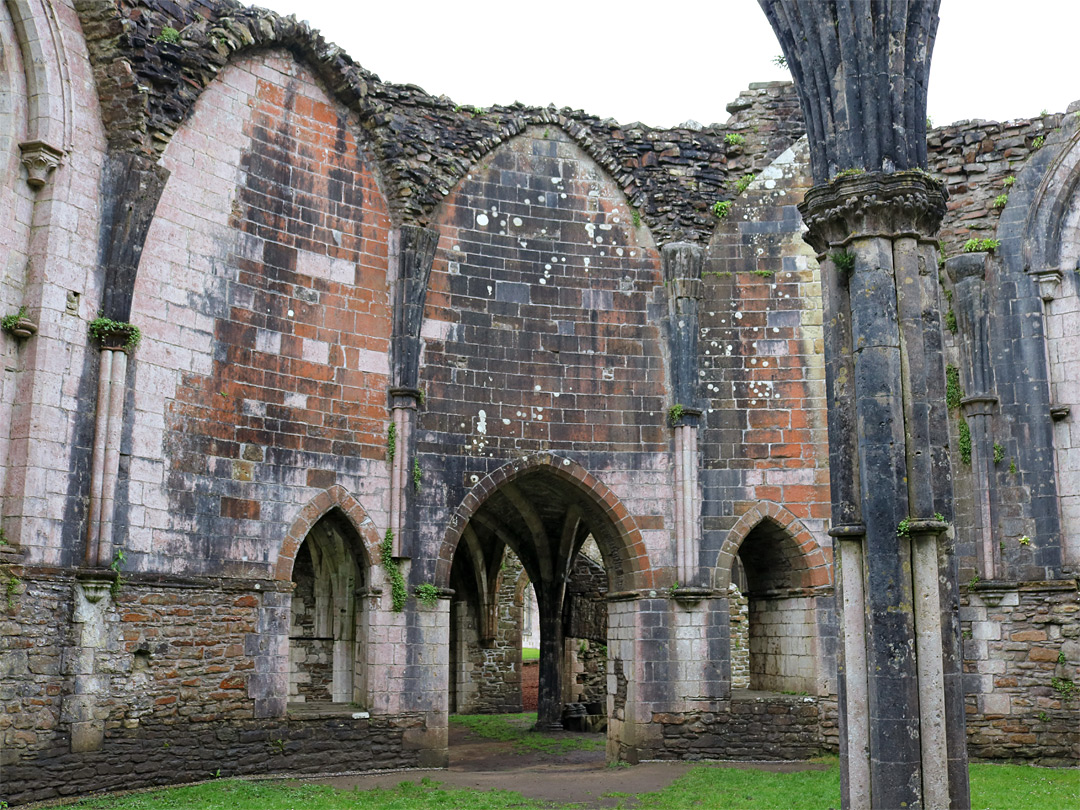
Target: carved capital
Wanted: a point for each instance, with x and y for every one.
(1049, 281)
(978, 405)
(909, 203)
(682, 260)
(40, 159)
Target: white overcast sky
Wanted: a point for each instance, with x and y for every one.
(662, 64)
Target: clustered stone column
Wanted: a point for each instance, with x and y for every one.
(861, 72)
(682, 264)
(415, 250)
(968, 274)
(902, 721)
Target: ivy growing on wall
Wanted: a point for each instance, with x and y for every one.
(965, 442)
(398, 591)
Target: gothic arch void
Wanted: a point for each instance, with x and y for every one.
(772, 565)
(613, 527)
(336, 499)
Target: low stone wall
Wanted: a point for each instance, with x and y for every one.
(1022, 671)
(161, 754)
(751, 726)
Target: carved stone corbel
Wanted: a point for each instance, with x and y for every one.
(40, 159)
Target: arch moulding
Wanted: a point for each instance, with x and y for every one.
(334, 498)
(634, 558)
(813, 559)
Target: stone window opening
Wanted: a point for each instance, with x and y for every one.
(326, 621)
(774, 637)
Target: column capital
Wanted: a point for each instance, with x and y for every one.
(873, 204)
(40, 159)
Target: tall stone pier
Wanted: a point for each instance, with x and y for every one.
(861, 72)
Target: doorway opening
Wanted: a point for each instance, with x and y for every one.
(327, 641)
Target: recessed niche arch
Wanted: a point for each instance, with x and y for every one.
(327, 638)
(778, 582)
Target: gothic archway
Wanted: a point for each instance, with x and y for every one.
(543, 509)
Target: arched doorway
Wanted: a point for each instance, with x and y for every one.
(778, 581)
(543, 510)
(327, 638)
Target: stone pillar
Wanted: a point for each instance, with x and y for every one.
(105, 463)
(412, 254)
(861, 73)
(682, 263)
(968, 274)
(80, 708)
(902, 724)
(424, 680)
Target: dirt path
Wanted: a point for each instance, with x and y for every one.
(577, 776)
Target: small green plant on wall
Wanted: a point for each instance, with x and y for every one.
(118, 562)
(398, 591)
(999, 453)
(427, 594)
(844, 261)
(1064, 687)
(169, 34)
(1001, 200)
(721, 208)
(981, 245)
(7, 323)
(744, 183)
(965, 442)
(106, 331)
(734, 139)
(11, 591)
(953, 392)
(675, 413)
(417, 474)
(391, 442)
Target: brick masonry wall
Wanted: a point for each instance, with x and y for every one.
(175, 671)
(1022, 672)
(34, 635)
(542, 334)
(311, 658)
(985, 166)
(492, 673)
(753, 727)
(264, 304)
(739, 620)
(154, 754)
(46, 384)
(763, 374)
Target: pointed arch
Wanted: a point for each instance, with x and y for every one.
(48, 83)
(808, 558)
(620, 539)
(338, 499)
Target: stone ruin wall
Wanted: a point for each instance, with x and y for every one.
(218, 457)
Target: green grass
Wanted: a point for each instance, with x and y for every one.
(234, 794)
(1022, 787)
(530, 654)
(722, 788)
(517, 729)
(993, 787)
